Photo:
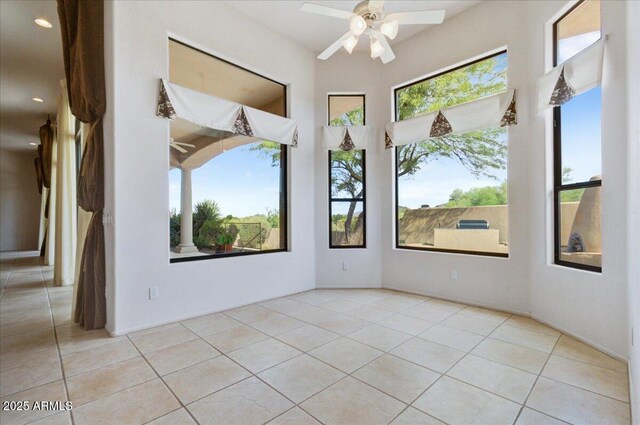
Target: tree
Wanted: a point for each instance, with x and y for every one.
(273, 218)
(353, 117)
(347, 173)
(347, 182)
(573, 195)
(206, 211)
(481, 152)
(479, 196)
(174, 228)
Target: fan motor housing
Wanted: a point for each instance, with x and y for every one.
(369, 14)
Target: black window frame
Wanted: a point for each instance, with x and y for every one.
(396, 155)
(284, 177)
(363, 199)
(558, 186)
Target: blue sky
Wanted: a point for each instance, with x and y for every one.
(243, 183)
(580, 146)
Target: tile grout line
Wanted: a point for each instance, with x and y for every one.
(182, 406)
(413, 337)
(302, 353)
(535, 382)
(259, 378)
(371, 361)
(55, 333)
(445, 373)
(384, 352)
(368, 324)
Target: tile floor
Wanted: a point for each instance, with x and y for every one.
(324, 356)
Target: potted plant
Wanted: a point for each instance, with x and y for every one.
(225, 241)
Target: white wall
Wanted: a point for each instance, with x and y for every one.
(349, 74)
(138, 163)
(590, 305)
(501, 283)
(633, 207)
(19, 202)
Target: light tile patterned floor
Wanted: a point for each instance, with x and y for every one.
(325, 356)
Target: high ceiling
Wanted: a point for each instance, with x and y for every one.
(31, 65)
(317, 32)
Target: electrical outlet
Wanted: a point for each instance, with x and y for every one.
(154, 293)
(454, 274)
(345, 266)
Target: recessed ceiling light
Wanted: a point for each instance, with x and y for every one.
(37, 99)
(33, 144)
(43, 23)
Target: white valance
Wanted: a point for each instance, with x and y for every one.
(576, 75)
(346, 137)
(220, 114)
(491, 111)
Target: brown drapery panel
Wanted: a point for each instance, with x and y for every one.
(90, 306)
(82, 28)
(45, 150)
(38, 165)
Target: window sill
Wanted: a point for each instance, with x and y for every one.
(453, 251)
(218, 256)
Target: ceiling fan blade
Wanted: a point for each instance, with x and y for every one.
(178, 148)
(184, 144)
(334, 47)
(327, 11)
(388, 54)
(418, 17)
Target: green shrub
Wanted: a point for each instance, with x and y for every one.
(174, 229)
(208, 233)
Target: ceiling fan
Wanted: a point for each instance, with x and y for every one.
(368, 18)
(178, 145)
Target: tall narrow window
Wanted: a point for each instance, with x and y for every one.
(577, 150)
(227, 196)
(451, 191)
(347, 178)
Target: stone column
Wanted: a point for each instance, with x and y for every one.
(186, 215)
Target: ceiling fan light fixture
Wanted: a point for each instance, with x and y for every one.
(357, 24)
(43, 23)
(350, 43)
(390, 29)
(376, 48)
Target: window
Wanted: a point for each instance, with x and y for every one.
(577, 150)
(451, 191)
(347, 176)
(226, 198)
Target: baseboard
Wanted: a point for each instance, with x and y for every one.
(525, 314)
(582, 339)
(363, 286)
(457, 300)
(635, 414)
(426, 294)
(193, 316)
